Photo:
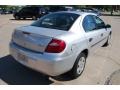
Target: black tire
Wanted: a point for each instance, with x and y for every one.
(17, 17)
(24, 18)
(34, 17)
(74, 73)
(107, 42)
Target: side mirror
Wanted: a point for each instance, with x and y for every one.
(107, 26)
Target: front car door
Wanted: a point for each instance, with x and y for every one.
(100, 27)
(92, 34)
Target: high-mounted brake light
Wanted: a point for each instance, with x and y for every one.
(55, 46)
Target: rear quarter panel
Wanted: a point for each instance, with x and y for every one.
(75, 41)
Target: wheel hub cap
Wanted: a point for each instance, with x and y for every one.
(81, 65)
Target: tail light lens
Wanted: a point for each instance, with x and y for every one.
(55, 46)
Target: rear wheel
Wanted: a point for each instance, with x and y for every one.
(79, 66)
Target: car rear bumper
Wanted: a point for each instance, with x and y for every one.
(50, 65)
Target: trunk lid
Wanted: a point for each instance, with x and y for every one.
(35, 38)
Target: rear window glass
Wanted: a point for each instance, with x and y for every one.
(61, 21)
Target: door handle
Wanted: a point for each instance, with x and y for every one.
(101, 34)
(90, 39)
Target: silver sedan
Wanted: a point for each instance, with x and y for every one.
(59, 42)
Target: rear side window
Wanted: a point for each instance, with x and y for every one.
(61, 21)
(89, 23)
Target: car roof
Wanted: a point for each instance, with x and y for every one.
(77, 12)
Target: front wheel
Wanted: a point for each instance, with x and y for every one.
(79, 66)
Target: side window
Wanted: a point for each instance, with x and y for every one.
(99, 23)
(25, 10)
(89, 23)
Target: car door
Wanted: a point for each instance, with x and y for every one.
(26, 12)
(93, 36)
(100, 27)
(23, 12)
(33, 11)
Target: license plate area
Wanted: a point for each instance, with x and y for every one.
(22, 57)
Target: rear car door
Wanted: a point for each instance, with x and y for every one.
(92, 34)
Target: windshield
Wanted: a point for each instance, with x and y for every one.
(61, 21)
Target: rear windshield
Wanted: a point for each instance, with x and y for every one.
(61, 21)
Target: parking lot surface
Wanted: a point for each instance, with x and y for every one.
(99, 67)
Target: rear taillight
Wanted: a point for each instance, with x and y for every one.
(55, 46)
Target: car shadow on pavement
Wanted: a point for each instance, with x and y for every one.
(63, 77)
(13, 73)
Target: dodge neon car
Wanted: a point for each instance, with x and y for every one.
(59, 42)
